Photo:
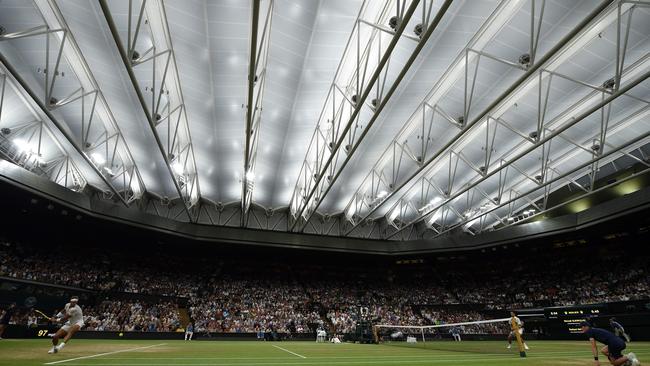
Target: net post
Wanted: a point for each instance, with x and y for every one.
(375, 334)
(520, 343)
(422, 331)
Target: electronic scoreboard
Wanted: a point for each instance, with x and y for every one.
(568, 318)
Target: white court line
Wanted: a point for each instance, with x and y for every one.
(512, 358)
(286, 350)
(103, 354)
(450, 354)
(369, 361)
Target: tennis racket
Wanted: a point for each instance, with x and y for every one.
(43, 315)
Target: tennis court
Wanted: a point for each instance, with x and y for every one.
(242, 353)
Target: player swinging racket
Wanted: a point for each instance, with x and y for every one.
(72, 317)
(6, 317)
(613, 349)
(520, 328)
(618, 329)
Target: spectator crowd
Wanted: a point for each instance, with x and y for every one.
(132, 316)
(236, 297)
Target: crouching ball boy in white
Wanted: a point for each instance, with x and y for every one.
(72, 319)
(189, 331)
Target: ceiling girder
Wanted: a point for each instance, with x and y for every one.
(422, 119)
(351, 148)
(256, 83)
(542, 141)
(510, 219)
(178, 153)
(552, 57)
(33, 160)
(48, 105)
(120, 158)
(325, 151)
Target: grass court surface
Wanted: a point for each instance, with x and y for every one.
(248, 353)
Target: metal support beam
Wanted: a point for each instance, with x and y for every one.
(362, 92)
(587, 193)
(247, 177)
(62, 129)
(121, 157)
(486, 113)
(128, 61)
(539, 143)
(422, 42)
(569, 176)
(256, 85)
(418, 129)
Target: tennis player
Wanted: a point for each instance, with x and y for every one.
(72, 319)
(512, 334)
(613, 349)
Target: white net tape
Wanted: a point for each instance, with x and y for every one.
(421, 330)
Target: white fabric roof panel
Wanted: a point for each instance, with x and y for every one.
(307, 39)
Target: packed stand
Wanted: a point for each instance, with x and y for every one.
(252, 305)
(440, 316)
(258, 296)
(132, 316)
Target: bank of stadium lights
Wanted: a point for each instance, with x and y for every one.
(108, 171)
(477, 212)
(21, 145)
(436, 215)
(469, 224)
(24, 147)
(628, 187)
(380, 196)
(524, 214)
(394, 213)
(434, 201)
(349, 213)
(177, 167)
(250, 176)
(98, 158)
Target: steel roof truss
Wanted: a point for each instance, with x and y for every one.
(256, 85)
(542, 104)
(360, 88)
(566, 176)
(165, 110)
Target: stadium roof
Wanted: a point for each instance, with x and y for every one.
(380, 119)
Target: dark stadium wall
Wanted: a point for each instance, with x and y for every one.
(45, 297)
(23, 194)
(20, 187)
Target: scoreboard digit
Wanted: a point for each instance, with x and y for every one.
(43, 332)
